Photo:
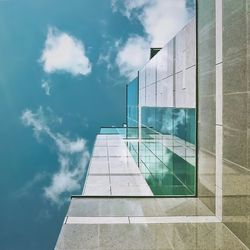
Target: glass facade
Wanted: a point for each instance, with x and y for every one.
(160, 130)
(167, 151)
(161, 115)
(132, 109)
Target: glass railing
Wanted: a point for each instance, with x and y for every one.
(114, 131)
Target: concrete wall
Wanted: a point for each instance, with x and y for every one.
(206, 102)
(224, 117)
(169, 78)
(236, 117)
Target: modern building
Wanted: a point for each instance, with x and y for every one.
(177, 176)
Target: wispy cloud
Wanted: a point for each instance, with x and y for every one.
(108, 51)
(73, 157)
(64, 53)
(46, 86)
(127, 7)
(160, 19)
(68, 178)
(105, 59)
(25, 190)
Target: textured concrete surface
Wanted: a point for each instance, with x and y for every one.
(113, 170)
(148, 236)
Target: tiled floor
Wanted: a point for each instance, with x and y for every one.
(113, 171)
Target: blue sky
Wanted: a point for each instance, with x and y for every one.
(63, 70)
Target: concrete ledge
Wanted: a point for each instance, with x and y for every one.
(141, 220)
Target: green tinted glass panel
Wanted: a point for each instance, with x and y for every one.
(114, 131)
(132, 109)
(167, 150)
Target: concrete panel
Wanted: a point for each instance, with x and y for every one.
(165, 61)
(235, 146)
(165, 92)
(151, 71)
(206, 103)
(235, 74)
(234, 29)
(151, 95)
(162, 65)
(235, 111)
(100, 152)
(170, 60)
(190, 38)
(180, 95)
(142, 78)
(148, 236)
(180, 47)
(190, 87)
(149, 206)
(142, 97)
(123, 165)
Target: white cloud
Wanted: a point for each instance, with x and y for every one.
(73, 156)
(46, 86)
(161, 21)
(66, 179)
(70, 147)
(128, 6)
(35, 120)
(132, 56)
(63, 52)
